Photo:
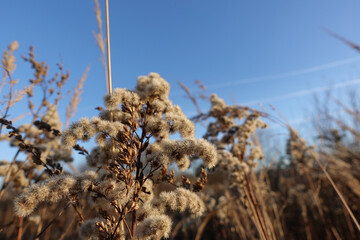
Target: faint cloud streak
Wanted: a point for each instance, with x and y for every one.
(304, 92)
(286, 74)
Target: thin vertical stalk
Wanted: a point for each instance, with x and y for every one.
(108, 47)
(109, 82)
(257, 213)
(109, 90)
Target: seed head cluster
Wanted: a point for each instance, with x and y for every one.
(52, 190)
(132, 134)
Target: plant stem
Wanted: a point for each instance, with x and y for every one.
(108, 47)
(338, 193)
(21, 221)
(51, 222)
(257, 212)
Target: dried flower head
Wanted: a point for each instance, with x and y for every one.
(51, 190)
(181, 200)
(152, 86)
(154, 227)
(166, 151)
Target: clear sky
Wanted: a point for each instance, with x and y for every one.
(245, 51)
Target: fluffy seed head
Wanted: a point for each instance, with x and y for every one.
(152, 86)
(154, 227)
(181, 200)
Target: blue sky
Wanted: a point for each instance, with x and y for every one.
(245, 51)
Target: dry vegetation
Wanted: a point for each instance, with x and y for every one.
(134, 185)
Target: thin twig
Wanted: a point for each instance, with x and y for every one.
(7, 225)
(116, 227)
(202, 226)
(133, 224)
(344, 40)
(178, 227)
(338, 192)
(127, 227)
(108, 47)
(10, 95)
(208, 217)
(78, 212)
(190, 96)
(53, 220)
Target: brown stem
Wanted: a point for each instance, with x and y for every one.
(340, 195)
(177, 228)
(116, 228)
(349, 223)
(53, 220)
(78, 212)
(127, 227)
(203, 225)
(108, 47)
(20, 228)
(254, 215)
(318, 205)
(256, 205)
(133, 224)
(206, 220)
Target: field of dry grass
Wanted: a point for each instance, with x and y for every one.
(134, 185)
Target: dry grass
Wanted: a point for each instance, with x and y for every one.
(131, 188)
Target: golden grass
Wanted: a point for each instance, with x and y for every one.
(313, 196)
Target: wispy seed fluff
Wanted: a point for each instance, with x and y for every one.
(52, 190)
(116, 192)
(152, 86)
(146, 210)
(89, 230)
(181, 200)
(174, 121)
(158, 126)
(100, 156)
(20, 179)
(84, 129)
(166, 151)
(160, 105)
(216, 101)
(154, 227)
(180, 123)
(117, 115)
(81, 129)
(119, 96)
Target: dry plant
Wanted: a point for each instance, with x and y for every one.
(134, 185)
(292, 196)
(38, 142)
(122, 188)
